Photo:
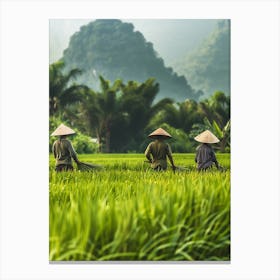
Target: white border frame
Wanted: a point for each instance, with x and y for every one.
(255, 138)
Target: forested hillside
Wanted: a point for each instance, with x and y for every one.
(114, 50)
(208, 67)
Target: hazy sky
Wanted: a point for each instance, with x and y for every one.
(172, 38)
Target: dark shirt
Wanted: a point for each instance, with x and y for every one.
(63, 152)
(159, 150)
(205, 157)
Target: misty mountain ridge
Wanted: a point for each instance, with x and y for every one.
(113, 49)
(208, 66)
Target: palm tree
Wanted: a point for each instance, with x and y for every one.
(99, 110)
(181, 115)
(61, 93)
(119, 113)
(109, 107)
(216, 108)
(137, 103)
(90, 115)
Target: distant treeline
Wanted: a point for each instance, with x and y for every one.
(121, 114)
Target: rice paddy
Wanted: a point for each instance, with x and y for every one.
(127, 212)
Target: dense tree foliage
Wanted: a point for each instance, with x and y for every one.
(121, 114)
(83, 143)
(113, 49)
(208, 67)
(61, 92)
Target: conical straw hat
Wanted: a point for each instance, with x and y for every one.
(160, 132)
(206, 137)
(63, 130)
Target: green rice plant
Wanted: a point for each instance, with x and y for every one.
(125, 211)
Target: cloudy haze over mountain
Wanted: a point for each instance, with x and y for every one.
(194, 50)
(207, 67)
(172, 38)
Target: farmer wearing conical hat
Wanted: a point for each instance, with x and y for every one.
(158, 151)
(205, 156)
(63, 150)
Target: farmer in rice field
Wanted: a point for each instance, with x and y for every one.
(205, 156)
(158, 150)
(63, 150)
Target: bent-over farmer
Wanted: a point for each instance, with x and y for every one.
(158, 151)
(63, 150)
(205, 156)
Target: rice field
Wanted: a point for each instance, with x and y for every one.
(127, 212)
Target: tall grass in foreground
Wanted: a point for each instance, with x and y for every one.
(126, 212)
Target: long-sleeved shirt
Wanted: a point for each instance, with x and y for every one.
(205, 157)
(63, 152)
(157, 152)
